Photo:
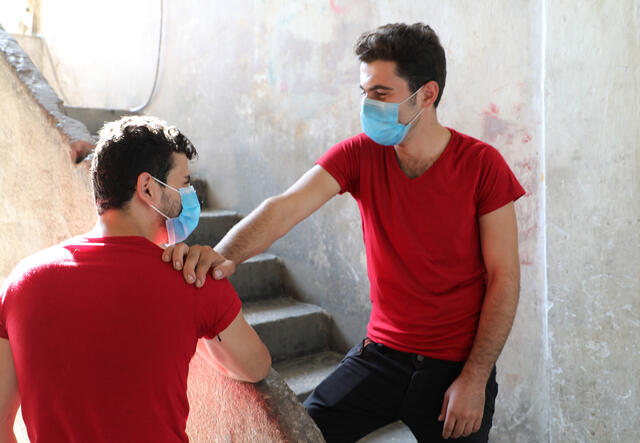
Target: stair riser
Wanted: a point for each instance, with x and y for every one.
(295, 336)
(258, 280)
(211, 229)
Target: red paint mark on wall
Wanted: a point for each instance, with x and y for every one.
(526, 138)
(337, 9)
(526, 262)
(493, 110)
(526, 165)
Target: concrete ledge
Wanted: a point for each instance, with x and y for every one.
(75, 132)
(222, 409)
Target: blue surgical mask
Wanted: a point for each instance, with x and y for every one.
(380, 121)
(180, 227)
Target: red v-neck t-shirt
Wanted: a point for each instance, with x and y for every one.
(102, 333)
(424, 261)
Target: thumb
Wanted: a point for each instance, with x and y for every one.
(445, 405)
(224, 270)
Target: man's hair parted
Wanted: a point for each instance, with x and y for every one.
(415, 49)
(128, 147)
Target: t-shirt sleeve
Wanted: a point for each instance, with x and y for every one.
(498, 185)
(342, 161)
(217, 306)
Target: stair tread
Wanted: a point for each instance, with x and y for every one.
(396, 432)
(218, 213)
(303, 374)
(274, 309)
(265, 256)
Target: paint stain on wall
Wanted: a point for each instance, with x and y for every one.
(338, 9)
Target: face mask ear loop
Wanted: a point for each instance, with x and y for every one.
(158, 211)
(163, 183)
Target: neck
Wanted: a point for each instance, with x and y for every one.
(122, 222)
(423, 146)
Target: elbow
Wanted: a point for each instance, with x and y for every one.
(262, 371)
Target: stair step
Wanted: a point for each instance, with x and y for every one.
(94, 118)
(396, 432)
(303, 374)
(213, 225)
(258, 278)
(289, 328)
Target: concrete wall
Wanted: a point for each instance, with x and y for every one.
(263, 88)
(593, 219)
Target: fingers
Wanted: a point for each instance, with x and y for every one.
(166, 254)
(195, 262)
(224, 270)
(208, 258)
(191, 261)
(175, 254)
(449, 426)
(477, 425)
(445, 405)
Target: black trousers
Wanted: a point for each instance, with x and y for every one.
(376, 385)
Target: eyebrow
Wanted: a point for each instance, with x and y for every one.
(376, 87)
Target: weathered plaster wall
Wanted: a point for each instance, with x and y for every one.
(45, 196)
(263, 88)
(593, 219)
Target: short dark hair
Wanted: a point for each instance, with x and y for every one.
(415, 49)
(128, 147)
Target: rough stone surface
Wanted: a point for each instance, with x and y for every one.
(40, 90)
(225, 410)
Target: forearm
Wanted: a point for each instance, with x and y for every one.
(496, 319)
(256, 232)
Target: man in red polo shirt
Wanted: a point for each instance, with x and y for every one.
(440, 234)
(96, 334)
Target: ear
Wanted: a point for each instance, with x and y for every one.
(145, 189)
(429, 93)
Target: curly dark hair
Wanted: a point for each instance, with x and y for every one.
(415, 49)
(128, 147)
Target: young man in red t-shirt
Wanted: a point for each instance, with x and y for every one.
(96, 334)
(442, 256)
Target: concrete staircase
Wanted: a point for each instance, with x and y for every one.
(296, 333)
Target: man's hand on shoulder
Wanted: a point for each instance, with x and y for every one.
(463, 407)
(195, 261)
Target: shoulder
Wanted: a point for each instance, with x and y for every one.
(472, 149)
(43, 262)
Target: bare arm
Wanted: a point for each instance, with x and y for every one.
(240, 353)
(9, 396)
(256, 232)
(277, 215)
(464, 402)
